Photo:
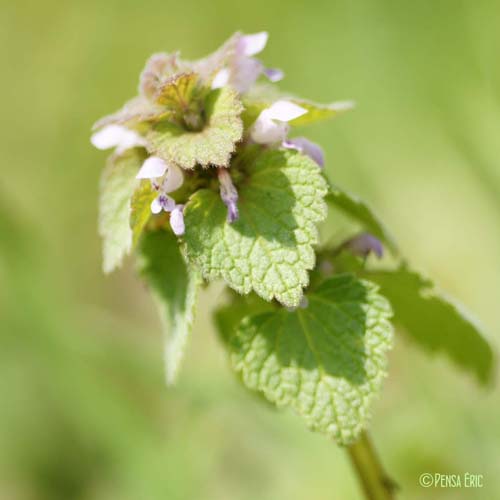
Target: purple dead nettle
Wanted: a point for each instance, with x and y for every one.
(306, 147)
(243, 70)
(228, 194)
(118, 137)
(271, 127)
(363, 244)
(177, 220)
(165, 178)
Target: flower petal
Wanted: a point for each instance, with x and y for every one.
(253, 44)
(228, 194)
(152, 167)
(221, 78)
(285, 111)
(274, 74)
(267, 131)
(173, 179)
(177, 220)
(167, 203)
(162, 202)
(116, 136)
(245, 72)
(156, 207)
(363, 244)
(309, 148)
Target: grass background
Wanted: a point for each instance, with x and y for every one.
(84, 413)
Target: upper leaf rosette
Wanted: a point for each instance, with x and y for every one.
(188, 116)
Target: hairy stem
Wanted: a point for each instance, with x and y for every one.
(376, 484)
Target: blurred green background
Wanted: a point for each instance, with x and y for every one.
(84, 412)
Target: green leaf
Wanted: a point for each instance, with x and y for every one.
(436, 322)
(133, 113)
(270, 248)
(174, 286)
(118, 183)
(140, 212)
(361, 212)
(261, 96)
(319, 112)
(213, 145)
(228, 317)
(177, 92)
(325, 361)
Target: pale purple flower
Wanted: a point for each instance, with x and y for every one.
(271, 125)
(117, 136)
(162, 202)
(307, 147)
(274, 74)
(177, 220)
(249, 45)
(228, 194)
(164, 178)
(152, 167)
(242, 69)
(158, 67)
(363, 244)
(221, 79)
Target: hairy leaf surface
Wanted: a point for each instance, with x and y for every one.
(140, 212)
(270, 248)
(174, 286)
(118, 183)
(177, 92)
(261, 96)
(325, 361)
(435, 322)
(211, 146)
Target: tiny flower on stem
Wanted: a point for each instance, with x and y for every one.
(243, 69)
(274, 74)
(164, 178)
(363, 244)
(177, 220)
(307, 147)
(116, 136)
(228, 194)
(271, 126)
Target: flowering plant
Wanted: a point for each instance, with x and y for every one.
(207, 181)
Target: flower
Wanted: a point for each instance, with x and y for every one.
(158, 68)
(162, 202)
(271, 125)
(243, 69)
(228, 194)
(274, 74)
(307, 147)
(177, 220)
(164, 178)
(363, 244)
(116, 136)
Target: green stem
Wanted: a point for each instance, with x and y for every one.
(375, 482)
